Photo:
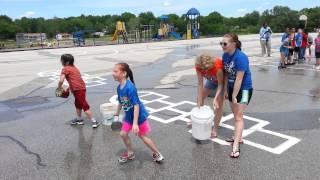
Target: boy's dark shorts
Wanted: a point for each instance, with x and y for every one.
(80, 100)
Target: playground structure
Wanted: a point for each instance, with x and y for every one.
(166, 30)
(31, 39)
(193, 24)
(78, 38)
(120, 32)
(143, 33)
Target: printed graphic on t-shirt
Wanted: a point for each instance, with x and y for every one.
(229, 67)
(126, 104)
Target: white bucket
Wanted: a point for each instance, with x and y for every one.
(202, 120)
(107, 110)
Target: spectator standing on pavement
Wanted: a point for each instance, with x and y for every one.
(317, 51)
(301, 41)
(294, 43)
(265, 40)
(284, 49)
(309, 45)
(298, 42)
(292, 54)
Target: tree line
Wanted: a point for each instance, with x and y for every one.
(278, 18)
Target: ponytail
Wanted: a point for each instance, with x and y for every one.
(125, 67)
(238, 45)
(130, 75)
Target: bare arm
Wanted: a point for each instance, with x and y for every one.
(237, 84)
(135, 127)
(118, 109)
(62, 78)
(225, 75)
(200, 89)
(221, 80)
(136, 114)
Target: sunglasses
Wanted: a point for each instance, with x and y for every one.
(223, 44)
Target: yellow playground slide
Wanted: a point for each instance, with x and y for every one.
(115, 35)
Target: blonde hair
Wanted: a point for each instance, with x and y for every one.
(204, 61)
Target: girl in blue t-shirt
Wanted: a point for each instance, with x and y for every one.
(238, 84)
(135, 114)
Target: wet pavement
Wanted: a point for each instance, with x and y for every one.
(281, 123)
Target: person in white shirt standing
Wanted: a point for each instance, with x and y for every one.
(265, 40)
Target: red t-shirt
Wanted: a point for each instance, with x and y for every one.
(73, 77)
(304, 40)
(292, 40)
(211, 74)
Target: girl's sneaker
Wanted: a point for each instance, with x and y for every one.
(125, 157)
(77, 122)
(157, 157)
(95, 124)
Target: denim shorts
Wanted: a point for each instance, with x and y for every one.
(210, 84)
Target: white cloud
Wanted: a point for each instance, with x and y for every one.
(28, 14)
(242, 10)
(166, 3)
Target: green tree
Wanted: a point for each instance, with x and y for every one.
(7, 28)
(125, 17)
(147, 18)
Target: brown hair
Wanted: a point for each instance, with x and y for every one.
(234, 37)
(125, 67)
(67, 59)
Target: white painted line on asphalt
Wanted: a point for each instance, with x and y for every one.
(184, 116)
(217, 140)
(291, 141)
(90, 80)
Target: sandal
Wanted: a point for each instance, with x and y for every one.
(231, 140)
(235, 154)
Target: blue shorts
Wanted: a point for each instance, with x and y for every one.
(284, 50)
(210, 85)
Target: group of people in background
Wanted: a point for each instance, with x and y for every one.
(296, 47)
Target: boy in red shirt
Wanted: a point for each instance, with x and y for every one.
(78, 88)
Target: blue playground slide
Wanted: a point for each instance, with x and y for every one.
(195, 34)
(175, 35)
